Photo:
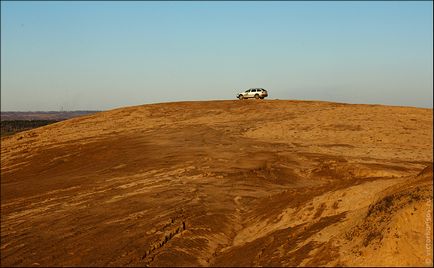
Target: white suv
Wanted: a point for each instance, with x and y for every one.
(257, 93)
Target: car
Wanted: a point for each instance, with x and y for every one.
(257, 93)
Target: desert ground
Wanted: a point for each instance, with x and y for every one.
(222, 183)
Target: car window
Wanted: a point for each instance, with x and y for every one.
(253, 90)
(247, 91)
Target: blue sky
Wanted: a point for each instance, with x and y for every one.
(103, 55)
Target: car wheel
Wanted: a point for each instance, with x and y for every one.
(256, 96)
(241, 97)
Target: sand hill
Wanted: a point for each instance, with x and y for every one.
(222, 183)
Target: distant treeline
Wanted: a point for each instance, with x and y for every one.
(9, 127)
(62, 115)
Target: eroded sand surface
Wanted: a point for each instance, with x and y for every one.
(202, 184)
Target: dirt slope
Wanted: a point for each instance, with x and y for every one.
(202, 184)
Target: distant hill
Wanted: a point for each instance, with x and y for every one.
(50, 115)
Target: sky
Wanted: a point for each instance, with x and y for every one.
(104, 55)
